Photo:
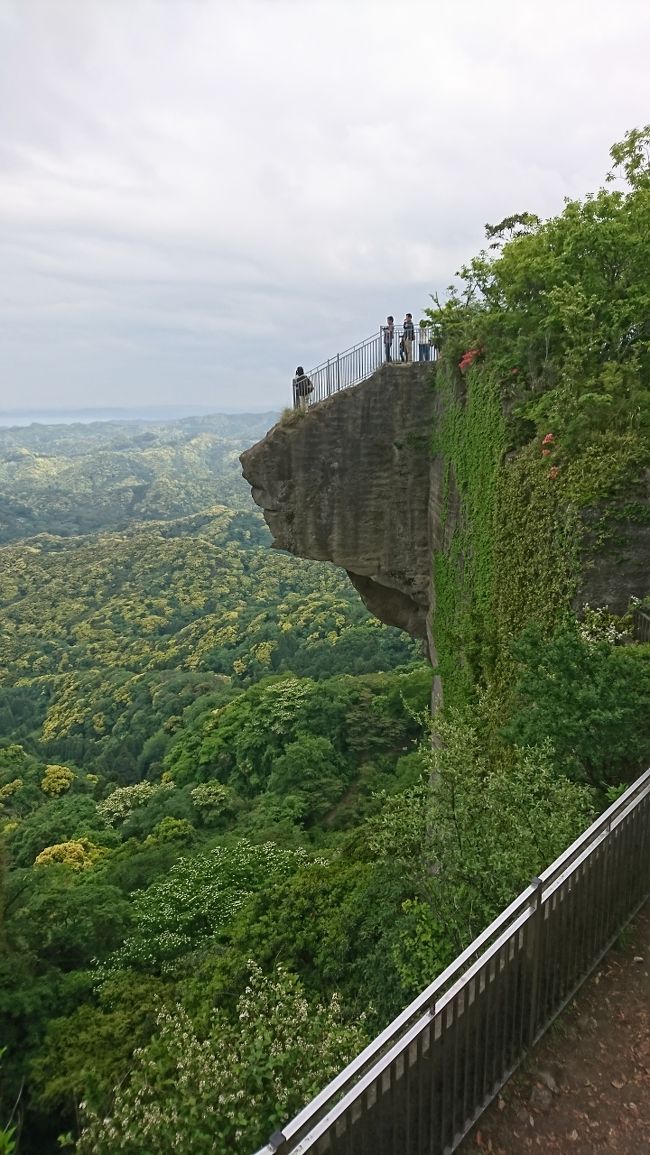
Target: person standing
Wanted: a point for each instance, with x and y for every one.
(302, 387)
(408, 333)
(389, 333)
(424, 341)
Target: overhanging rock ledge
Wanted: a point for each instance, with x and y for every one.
(352, 481)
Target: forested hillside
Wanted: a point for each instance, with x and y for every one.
(70, 479)
(182, 712)
(107, 638)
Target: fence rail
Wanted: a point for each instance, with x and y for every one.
(424, 1081)
(362, 360)
(641, 619)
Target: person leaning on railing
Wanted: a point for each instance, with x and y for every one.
(302, 387)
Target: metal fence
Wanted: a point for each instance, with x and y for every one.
(641, 620)
(423, 1082)
(362, 360)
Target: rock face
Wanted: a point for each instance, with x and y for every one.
(620, 569)
(349, 482)
(352, 481)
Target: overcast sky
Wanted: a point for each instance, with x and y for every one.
(196, 195)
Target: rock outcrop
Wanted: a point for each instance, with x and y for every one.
(349, 482)
(352, 481)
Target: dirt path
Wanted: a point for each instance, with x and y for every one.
(586, 1087)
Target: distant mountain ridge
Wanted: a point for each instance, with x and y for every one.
(78, 479)
(14, 418)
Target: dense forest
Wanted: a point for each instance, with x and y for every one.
(230, 848)
(182, 712)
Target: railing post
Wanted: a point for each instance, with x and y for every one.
(338, 372)
(535, 941)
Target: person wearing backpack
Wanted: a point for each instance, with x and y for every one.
(302, 387)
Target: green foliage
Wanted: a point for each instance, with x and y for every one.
(8, 1131)
(561, 312)
(484, 829)
(536, 552)
(632, 155)
(66, 819)
(189, 906)
(536, 811)
(117, 646)
(588, 698)
(108, 640)
(213, 802)
(470, 440)
(544, 437)
(306, 751)
(228, 1091)
(85, 1054)
(123, 800)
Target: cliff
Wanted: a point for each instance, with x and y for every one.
(350, 482)
(354, 481)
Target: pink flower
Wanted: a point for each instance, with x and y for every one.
(468, 358)
(546, 453)
(553, 472)
(549, 439)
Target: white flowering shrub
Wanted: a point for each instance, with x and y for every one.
(212, 799)
(122, 801)
(597, 625)
(195, 900)
(227, 1092)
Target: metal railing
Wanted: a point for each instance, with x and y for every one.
(362, 360)
(641, 620)
(424, 1081)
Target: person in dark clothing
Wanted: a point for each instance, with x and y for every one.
(409, 333)
(302, 387)
(389, 333)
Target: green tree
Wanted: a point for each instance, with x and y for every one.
(588, 698)
(490, 824)
(182, 911)
(187, 1094)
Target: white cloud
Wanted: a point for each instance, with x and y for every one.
(195, 194)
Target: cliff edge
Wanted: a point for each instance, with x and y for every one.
(350, 482)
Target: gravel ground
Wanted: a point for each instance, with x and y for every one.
(585, 1089)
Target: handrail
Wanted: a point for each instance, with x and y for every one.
(363, 359)
(641, 619)
(336, 1097)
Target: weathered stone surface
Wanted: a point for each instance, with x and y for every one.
(619, 568)
(352, 481)
(349, 482)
